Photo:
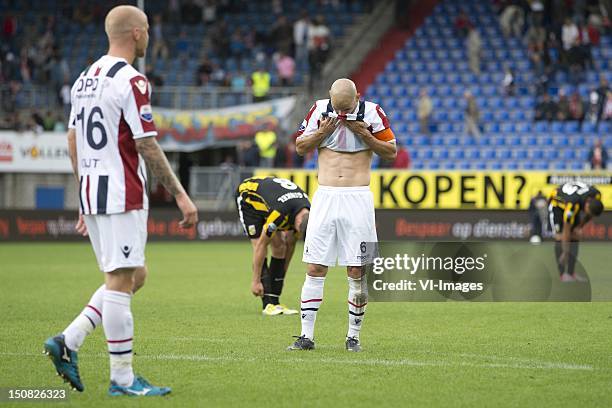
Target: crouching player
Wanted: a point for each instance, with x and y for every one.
(273, 212)
(571, 206)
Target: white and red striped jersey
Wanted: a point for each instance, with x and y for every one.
(342, 139)
(110, 110)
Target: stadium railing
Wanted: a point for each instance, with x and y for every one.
(174, 97)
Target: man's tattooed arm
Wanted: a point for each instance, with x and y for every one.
(158, 164)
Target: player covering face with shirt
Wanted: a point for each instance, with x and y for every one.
(346, 132)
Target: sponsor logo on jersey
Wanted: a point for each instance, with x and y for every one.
(146, 113)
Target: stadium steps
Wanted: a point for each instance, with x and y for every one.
(391, 42)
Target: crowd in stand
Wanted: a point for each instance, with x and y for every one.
(35, 56)
(559, 36)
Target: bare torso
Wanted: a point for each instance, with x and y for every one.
(341, 169)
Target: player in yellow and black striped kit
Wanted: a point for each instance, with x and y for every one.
(273, 212)
(571, 206)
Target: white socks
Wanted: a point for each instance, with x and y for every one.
(312, 296)
(119, 331)
(357, 301)
(85, 323)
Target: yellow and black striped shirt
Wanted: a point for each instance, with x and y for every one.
(277, 199)
(571, 197)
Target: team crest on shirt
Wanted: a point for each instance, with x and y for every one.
(252, 230)
(146, 113)
(141, 84)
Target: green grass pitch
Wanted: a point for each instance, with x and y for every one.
(198, 330)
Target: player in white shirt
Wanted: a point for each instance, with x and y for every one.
(346, 132)
(111, 136)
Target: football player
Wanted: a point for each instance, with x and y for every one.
(571, 206)
(111, 136)
(273, 212)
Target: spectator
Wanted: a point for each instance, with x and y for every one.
(593, 110)
(424, 111)
(238, 82)
(48, 121)
(512, 20)
(462, 24)
(204, 72)
(237, 45)
(598, 156)
(182, 45)
(602, 91)
(593, 33)
(318, 49)
(607, 107)
(64, 96)
(300, 38)
(249, 154)
(160, 48)
(218, 76)
(536, 39)
(285, 65)
(538, 216)
(508, 83)
(563, 106)
(228, 163)
(281, 35)
(546, 109)
(472, 115)
(260, 84)
(209, 12)
(37, 123)
(474, 48)
(576, 107)
(569, 34)
(266, 142)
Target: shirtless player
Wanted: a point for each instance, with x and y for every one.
(346, 131)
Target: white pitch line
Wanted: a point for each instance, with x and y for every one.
(525, 365)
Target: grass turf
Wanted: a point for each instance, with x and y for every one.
(198, 330)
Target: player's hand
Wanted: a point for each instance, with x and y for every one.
(328, 125)
(189, 210)
(358, 127)
(257, 289)
(80, 226)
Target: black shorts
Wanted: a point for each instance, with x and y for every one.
(252, 220)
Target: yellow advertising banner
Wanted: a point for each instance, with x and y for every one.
(491, 190)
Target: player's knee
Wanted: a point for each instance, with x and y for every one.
(354, 272)
(317, 271)
(140, 277)
(120, 280)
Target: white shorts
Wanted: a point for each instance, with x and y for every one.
(118, 240)
(341, 219)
